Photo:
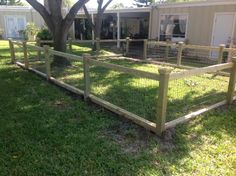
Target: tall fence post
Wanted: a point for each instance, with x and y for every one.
(221, 53)
(180, 51)
(38, 43)
(26, 60)
(86, 58)
(97, 46)
(162, 99)
(167, 49)
(70, 45)
(145, 46)
(47, 61)
(232, 82)
(12, 50)
(127, 46)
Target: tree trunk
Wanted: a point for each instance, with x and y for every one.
(60, 38)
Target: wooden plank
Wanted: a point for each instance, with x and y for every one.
(200, 71)
(128, 115)
(127, 46)
(180, 51)
(162, 100)
(66, 55)
(17, 43)
(192, 115)
(37, 48)
(47, 61)
(221, 53)
(67, 86)
(26, 60)
(145, 45)
(119, 68)
(199, 47)
(38, 43)
(12, 51)
(232, 82)
(87, 85)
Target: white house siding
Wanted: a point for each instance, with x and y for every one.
(29, 14)
(200, 20)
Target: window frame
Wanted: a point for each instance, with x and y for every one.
(174, 39)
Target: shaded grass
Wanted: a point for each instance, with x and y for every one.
(43, 131)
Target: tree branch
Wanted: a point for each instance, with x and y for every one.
(43, 12)
(68, 20)
(105, 6)
(88, 17)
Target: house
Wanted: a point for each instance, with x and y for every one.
(13, 20)
(209, 22)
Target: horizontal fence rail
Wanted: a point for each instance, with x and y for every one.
(163, 78)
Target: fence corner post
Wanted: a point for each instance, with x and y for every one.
(145, 46)
(38, 43)
(232, 82)
(70, 45)
(98, 46)
(12, 51)
(162, 99)
(86, 58)
(26, 60)
(167, 49)
(47, 61)
(180, 50)
(127, 46)
(221, 53)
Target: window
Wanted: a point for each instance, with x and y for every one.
(173, 27)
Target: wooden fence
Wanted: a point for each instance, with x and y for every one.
(180, 47)
(70, 42)
(164, 76)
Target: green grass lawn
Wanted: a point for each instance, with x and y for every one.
(45, 131)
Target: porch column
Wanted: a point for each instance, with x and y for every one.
(93, 35)
(118, 30)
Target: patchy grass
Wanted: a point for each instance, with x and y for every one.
(44, 131)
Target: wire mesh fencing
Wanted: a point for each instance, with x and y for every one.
(186, 55)
(19, 52)
(133, 93)
(72, 74)
(193, 93)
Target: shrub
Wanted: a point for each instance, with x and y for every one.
(44, 34)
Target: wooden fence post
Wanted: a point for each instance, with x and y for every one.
(221, 53)
(86, 58)
(47, 61)
(26, 60)
(167, 49)
(127, 46)
(12, 50)
(232, 82)
(145, 46)
(180, 50)
(97, 46)
(162, 99)
(70, 45)
(38, 42)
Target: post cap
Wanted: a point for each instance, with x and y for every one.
(222, 45)
(181, 43)
(164, 70)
